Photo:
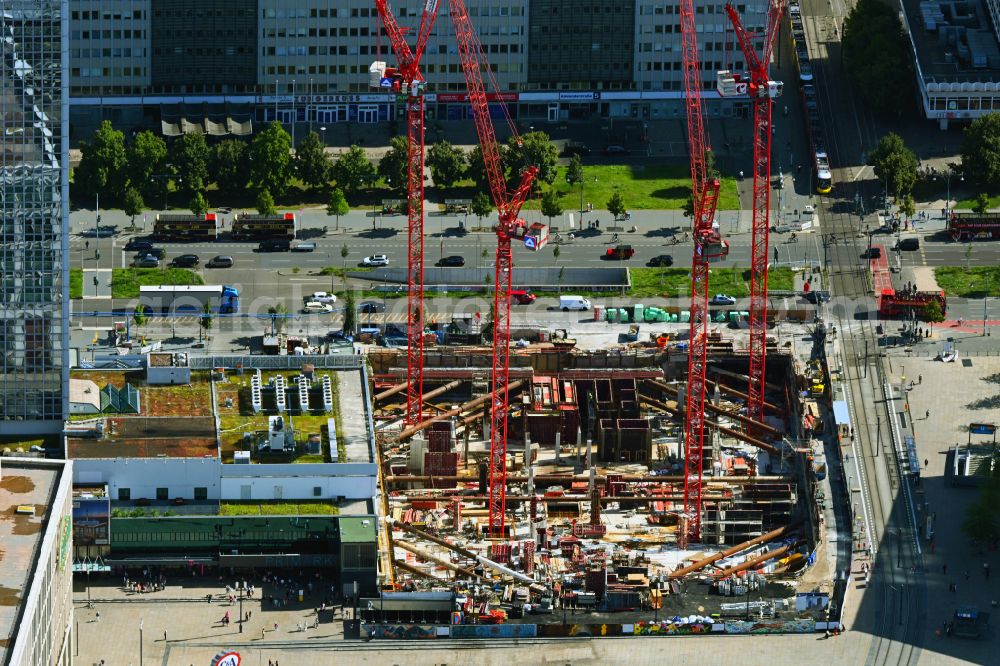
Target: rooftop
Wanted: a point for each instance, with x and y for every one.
(148, 437)
(22, 485)
(955, 41)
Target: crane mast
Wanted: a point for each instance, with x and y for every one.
(508, 228)
(407, 79)
(708, 247)
(762, 92)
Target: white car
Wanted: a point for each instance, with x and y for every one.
(722, 299)
(315, 307)
(322, 297)
(375, 260)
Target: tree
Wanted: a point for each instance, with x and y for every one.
(981, 151)
(147, 158)
(550, 205)
(350, 313)
(352, 169)
(337, 205)
(313, 166)
(231, 165)
(206, 320)
(133, 203)
(877, 57)
(476, 169)
(895, 164)
(933, 313)
(616, 205)
(907, 207)
(574, 172)
(447, 163)
(265, 203)
(535, 148)
(711, 171)
(481, 206)
(981, 522)
(982, 203)
(278, 315)
(392, 167)
(271, 159)
(189, 156)
(198, 204)
(103, 163)
(689, 206)
(139, 316)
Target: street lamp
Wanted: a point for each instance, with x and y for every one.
(323, 130)
(947, 207)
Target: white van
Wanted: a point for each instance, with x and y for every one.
(567, 303)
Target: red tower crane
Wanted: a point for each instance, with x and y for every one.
(406, 79)
(708, 247)
(508, 228)
(762, 91)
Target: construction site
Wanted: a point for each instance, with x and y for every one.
(593, 509)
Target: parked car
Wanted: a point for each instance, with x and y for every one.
(137, 245)
(185, 261)
(157, 252)
(722, 299)
(522, 296)
(575, 148)
(571, 302)
(274, 246)
(375, 260)
(453, 261)
(148, 261)
(662, 260)
(371, 307)
(615, 149)
(909, 244)
(220, 261)
(315, 307)
(322, 297)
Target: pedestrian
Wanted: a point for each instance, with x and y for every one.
(164, 635)
(97, 617)
(262, 633)
(925, 463)
(966, 574)
(947, 630)
(208, 598)
(920, 378)
(927, 414)
(986, 570)
(944, 569)
(276, 626)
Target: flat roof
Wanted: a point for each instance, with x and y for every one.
(357, 529)
(149, 437)
(30, 485)
(934, 27)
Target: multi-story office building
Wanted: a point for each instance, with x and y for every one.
(34, 301)
(142, 61)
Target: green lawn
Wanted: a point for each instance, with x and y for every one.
(663, 187)
(673, 282)
(125, 282)
(76, 283)
(974, 282)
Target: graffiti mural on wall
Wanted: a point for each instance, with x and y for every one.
(400, 631)
(803, 626)
(493, 631)
(671, 628)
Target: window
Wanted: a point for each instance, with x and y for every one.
(317, 491)
(200, 493)
(162, 494)
(124, 494)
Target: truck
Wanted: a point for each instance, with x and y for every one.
(974, 226)
(619, 252)
(192, 299)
